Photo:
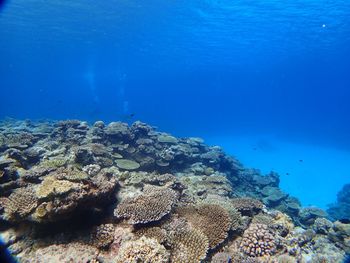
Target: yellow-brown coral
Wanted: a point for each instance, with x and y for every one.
(52, 186)
(143, 250)
(151, 205)
(212, 220)
(258, 241)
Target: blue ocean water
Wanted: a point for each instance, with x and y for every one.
(269, 81)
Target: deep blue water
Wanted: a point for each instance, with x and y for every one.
(204, 68)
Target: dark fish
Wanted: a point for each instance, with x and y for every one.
(287, 173)
(127, 117)
(301, 160)
(5, 255)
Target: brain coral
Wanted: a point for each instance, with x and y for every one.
(144, 250)
(151, 205)
(247, 206)
(103, 235)
(188, 245)
(213, 220)
(19, 204)
(258, 241)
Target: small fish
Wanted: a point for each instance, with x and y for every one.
(301, 160)
(287, 173)
(127, 117)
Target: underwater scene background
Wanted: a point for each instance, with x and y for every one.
(268, 81)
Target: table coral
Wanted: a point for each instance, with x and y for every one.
(151, 205)
(19, 204)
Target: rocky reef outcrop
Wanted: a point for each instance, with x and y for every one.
(75, 192)
(341, 209)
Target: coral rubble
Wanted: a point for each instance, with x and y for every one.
(74, 192)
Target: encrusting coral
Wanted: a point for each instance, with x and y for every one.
(153, 204)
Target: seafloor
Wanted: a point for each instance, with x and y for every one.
(71, 192)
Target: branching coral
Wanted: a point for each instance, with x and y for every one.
(151, 205)
(258, 241)
(213, 220)
(144, 250)
(247, 206)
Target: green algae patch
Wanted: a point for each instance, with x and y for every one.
(127, 164)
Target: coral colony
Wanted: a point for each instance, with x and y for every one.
(71, 192)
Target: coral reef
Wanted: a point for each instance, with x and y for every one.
(74, 192)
